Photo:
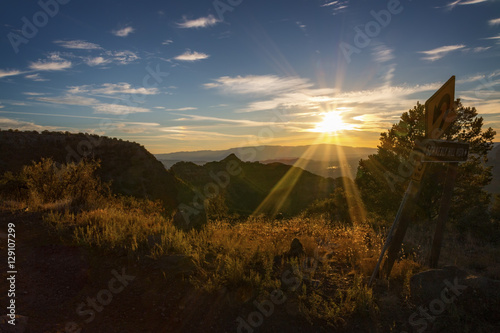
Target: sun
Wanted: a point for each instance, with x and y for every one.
(332, 123)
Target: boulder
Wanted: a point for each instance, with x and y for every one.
(296, 249)
(428, 285)
(21, 323)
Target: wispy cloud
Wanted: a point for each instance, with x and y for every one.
(124, 32)
(336, 6)
(118, 109)
(9, 72)
(121, 57)
(188, 108)
(36, 77)
(471, 2)
(167, 42)
(202, 22)
(382, 53)
(302, 26)
(77, 44)
(113, 89)
(333, 3)
(54, 62)
(96, 61)
(494, 22)
(69, 100)
(182, 133)
(191, 56)
(239, 122)
(299, 94)
(455, 3)
(477, 49)
(50, 65)
(24, 125)
(29, 93)
(440, 52)
(258, 84)
(494, 37)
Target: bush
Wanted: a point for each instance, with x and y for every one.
(45, 182)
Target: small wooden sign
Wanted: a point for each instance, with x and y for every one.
(445, 151)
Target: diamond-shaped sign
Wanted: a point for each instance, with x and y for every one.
(440, 110)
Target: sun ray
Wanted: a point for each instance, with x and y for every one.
(277, 197)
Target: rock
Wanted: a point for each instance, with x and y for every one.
(451, 283)
(488, 287)
(21, 323)
(154, 240)
(177, 264)
(296, 249)
(428, 285)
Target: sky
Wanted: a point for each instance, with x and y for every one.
(193, 75)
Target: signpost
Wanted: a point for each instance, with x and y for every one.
(439, 115)
(440, 110)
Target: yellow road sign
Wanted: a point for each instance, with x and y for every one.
(440, 110)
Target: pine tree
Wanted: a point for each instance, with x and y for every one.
(384, 176)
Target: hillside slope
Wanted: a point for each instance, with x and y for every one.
(130, 168)
(288, 189)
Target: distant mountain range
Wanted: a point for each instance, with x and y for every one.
(327, 160)
(253, 187)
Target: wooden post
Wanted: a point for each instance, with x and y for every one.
(444, 210)
(390, 234)
(399, 234)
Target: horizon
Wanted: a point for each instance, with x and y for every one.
(197, 76)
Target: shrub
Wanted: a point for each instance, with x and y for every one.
(46, 182)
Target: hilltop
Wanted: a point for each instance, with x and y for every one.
(245, 190)
(130, 168)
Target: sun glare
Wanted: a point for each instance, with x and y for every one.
(332, 123)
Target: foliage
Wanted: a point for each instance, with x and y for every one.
(342, 206)
(383, 177)
(72, 185)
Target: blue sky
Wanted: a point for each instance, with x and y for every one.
(190, 75)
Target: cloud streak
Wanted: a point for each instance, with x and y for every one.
(191, 56)
(440, 52)
(35, 77)
(118, 109)
(77, 44)
(258, 84)
(124, 32)
(9, 72)
(113, 89)
(202, 22)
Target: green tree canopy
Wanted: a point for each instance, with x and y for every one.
(384, 176)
